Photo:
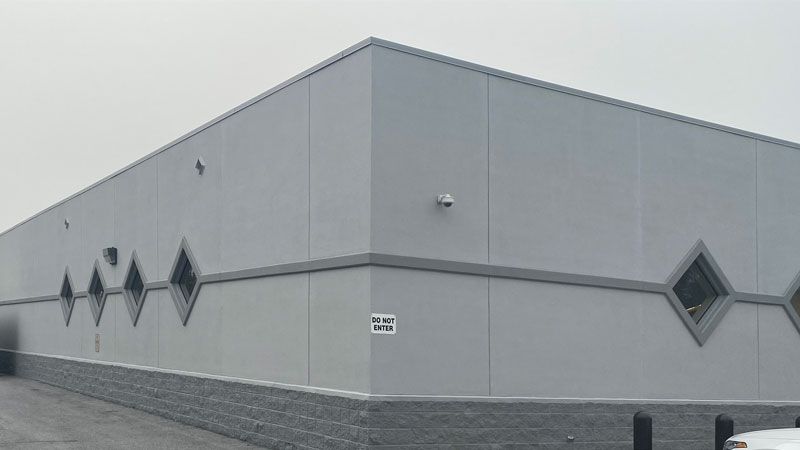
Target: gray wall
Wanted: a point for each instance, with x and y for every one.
(255, 205)
(558, 182)
(348, 159)
(573, 184)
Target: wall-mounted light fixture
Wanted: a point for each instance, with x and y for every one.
(110, 255)
(445, 200)
(200, 165)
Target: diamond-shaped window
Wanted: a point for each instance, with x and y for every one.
(699, 292)
(134, 288)
(695, 291)
(184, 282)
(796, 301)
(97, 293)
(67, 297)
(187, 278)
(792, 304)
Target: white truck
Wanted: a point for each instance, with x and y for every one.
(778, 439)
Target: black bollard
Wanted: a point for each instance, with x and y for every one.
(797, 422)
(723, 429)
(642, 431)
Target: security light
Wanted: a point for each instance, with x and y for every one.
(445, 200)
(110, 255)
(200, 165)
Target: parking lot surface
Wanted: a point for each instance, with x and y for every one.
(37, 415)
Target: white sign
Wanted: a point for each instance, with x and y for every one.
(383, 324)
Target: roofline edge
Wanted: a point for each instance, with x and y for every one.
(577, 92)
(313, 69)
(424, 54)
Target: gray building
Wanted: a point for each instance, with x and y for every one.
(289, 273)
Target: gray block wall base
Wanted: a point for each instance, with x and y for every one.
(283, 418)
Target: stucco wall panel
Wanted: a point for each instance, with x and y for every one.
(48, 322)
(39, 327)
(196, 346)
(137, 344)
(339, 308)
(29, 334)
(340, 137)
(22, 330)
(98, 231)
(442, 341)
(47, 254)
(674, 366)
(429, 137)
(569, 341)
(20, 262)
(6, 275)
(264, 195)
(564, 179)
(9, 326)
(72, 244)
(136, 219)
(264, 329)
(779, 351)
(697, 183)
(189, 203)
(778, 217)
(106, 329)
(552, 340)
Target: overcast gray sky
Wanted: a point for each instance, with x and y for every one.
(87, 87)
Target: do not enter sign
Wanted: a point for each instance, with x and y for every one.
(383, 324)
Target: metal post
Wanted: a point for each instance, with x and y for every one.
(723, 429)
(642, 431)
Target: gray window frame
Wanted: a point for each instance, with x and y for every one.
(184, 303)
(709, 298)
(702, 329)
(66, 306)
(132, 303)
(97, 304)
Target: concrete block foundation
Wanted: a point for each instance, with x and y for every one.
(284, 418)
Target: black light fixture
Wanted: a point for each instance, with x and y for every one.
(110, 255)
(200, 165)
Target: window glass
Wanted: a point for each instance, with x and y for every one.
(136, 286)
(695, 291)
(796, 301)
(187, 279)
(66, 292)
(97, 289)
